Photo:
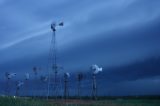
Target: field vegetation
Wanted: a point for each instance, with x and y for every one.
(104, 101)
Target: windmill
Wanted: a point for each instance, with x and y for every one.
(66, 90)
(95, 70)
(18, 85)
(27, 76)
(79, 79)
(8, 78)
(44, 80)
(53, 62)
(35, 71)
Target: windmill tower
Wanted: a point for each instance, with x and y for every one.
(26, 83)
(66, 90)
(18, 85)
(8, 82)
(53, 63)
(79, 79)
(44, 80)
(95, 70)
(35, 71)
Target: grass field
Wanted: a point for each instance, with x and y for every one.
(10, 101)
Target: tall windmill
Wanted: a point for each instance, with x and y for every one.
(18, 85)
(53, 62)
(79, 79)
(95, 70)
(8, 83)
(26, 83)
(66, 90)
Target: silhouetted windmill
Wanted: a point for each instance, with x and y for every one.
(18, 85)
(79, 79)
(66, 90)
(53, 62)
(35, 71)
(44, 80)
(95, 70)
(26, 83)
(8, 83)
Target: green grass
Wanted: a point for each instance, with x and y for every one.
(10, 101)
(128, 103)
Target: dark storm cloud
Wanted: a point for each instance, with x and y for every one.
(110, 33)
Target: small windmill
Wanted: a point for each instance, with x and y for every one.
(95, 70)
(66, 90)
(44, 80)
(35, 71)
(79, 79)
(8, 78)
(27, 76)
(18, 86)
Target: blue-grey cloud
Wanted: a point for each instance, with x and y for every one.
(110, 33)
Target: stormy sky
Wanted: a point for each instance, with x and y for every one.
(122, 36)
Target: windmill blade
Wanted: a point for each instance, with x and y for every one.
(96, 69)
(53, 26)
(10, 75)
(61, 24)
(13, 74)
(20, 83)
(67, 74)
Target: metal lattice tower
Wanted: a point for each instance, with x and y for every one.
(26, 83)
(7, 90)
(95, 70)
(53, 83)
(66, 88)
(44, 80)
(35, 71)
(8, 82)
(79, 78)
(18, 86)
(94, 87)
